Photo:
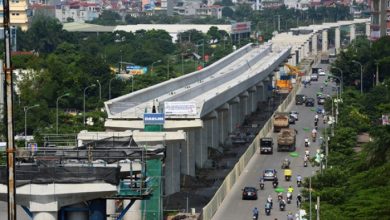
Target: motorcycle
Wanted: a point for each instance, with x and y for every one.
(306, 143)
(275, 184)
(262, 186)
(267, 211)
(314, 137)
(299, 183)
(289, 198)
(305, 163)
(286, 165)
(282, 206)
(255, 216)
(280, 197)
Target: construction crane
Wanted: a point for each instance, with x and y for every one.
(293, 70)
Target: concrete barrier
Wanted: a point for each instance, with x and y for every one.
(211, 208)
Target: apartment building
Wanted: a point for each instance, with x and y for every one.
(18, 13)
(77, 11)
(380, 18)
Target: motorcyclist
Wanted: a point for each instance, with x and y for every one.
(299, 200)
(290, 216)
(314, 132)
(275, 182)
(261, 183)
(299, 180)
(316, 117)
(307, 153)
(322, 88)
(268, 208)
(325, 119)
(290, 189)
(282, 204)
(289, 197)
(255, 212)
(269, 200)
(307, 142)
(286, 163)
(280, 196)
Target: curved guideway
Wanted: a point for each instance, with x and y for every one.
(234, 207)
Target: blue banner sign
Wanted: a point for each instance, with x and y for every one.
(154, 119)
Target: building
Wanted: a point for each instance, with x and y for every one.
(380, 18)
(77, 11)
(197, 8)
(18, 13)
(272, 3)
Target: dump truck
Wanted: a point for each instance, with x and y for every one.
(280, 121)
(286, 139)
(283, 86)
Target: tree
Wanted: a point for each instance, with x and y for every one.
(227, 12)
(108, 17)
(46, 33)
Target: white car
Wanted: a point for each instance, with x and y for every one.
(321, 73)
(294, 114)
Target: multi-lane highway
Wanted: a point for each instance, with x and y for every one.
(233, 207)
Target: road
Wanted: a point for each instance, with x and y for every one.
(233, 207)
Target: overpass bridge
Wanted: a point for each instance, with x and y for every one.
(209, 103)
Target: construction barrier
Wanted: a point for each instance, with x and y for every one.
(211, 208)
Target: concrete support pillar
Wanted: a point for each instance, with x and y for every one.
(337, 39)
(252, 99)
(243, 110)
(172, 168)
(297, 57)
(293, 59)
(260, 92)
(223, 113)
(200, 146)
(314, 41)
(325, 40)
(307, 48)
(211, 124)
(352, 33)
(45, 215)
(231, 124)
(187, 154)
(368, 30)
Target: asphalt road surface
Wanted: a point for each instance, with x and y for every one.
(233, 207)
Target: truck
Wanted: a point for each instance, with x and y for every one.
(287, 140)
(283, 86)
(280, 121)
(266, 145)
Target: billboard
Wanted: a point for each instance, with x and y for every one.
(154, 119)
(136, 70)
(241, 27)
(180, 108)
(385, 120)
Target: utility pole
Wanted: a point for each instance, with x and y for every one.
(11, 189)
(310, 198)
(318, 208)
(377, 73)
(278, 23)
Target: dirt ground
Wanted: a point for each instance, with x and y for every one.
(197, 191)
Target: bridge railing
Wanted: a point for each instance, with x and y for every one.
(211, 208)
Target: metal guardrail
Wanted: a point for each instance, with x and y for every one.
(211, 208)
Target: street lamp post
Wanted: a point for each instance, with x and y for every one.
(58, 99)
(93, 85)
(341, 79)
(26, 108)
(132, 83)
(109, 88)
(100, 90)
(361, 75)
(203, 58)
(158, 61)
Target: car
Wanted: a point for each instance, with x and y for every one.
(309, 102)
(300, 99)
(294, 114)
(269, 174)
(266, 145)
(249, 193)
(321, 73)
(320, 100)
(291, 119)
(314, 77)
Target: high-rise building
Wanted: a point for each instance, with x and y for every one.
(18, 13)
(380, 18)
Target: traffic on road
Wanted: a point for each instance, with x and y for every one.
(285, 161)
